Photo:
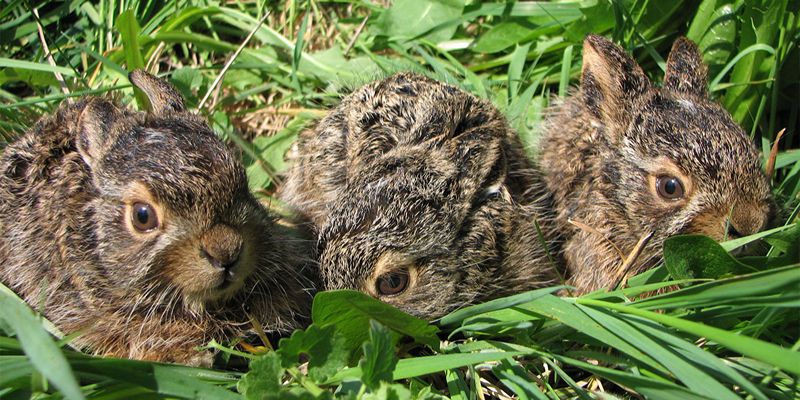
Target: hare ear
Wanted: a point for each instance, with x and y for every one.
(686, 72)
(479, 156)
(94, 129)
(609, 78)
(163, 96)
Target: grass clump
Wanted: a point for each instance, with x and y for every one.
(730, 330)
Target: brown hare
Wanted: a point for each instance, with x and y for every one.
(625, 160)
(422, 197)
(138, 230)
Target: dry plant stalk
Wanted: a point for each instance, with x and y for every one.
(594, 231)
(49, 56)
(773, 155)
(230, 61)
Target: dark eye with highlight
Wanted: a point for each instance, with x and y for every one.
(669, 187)
(143, 217)
(392, 283)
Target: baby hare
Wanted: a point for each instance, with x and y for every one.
(625, 160)
(422, 197)
(138, 230)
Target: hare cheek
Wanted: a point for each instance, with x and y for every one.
(710, 223)
(195, 277)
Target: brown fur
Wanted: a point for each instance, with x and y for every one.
(416, 175)
(66, 194)
(604, 146)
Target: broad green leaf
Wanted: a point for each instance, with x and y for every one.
(350, 311)
(187, 81)
(14, 368)
(398, 21)
(716, 43)
(503, 36)
(696, 256)
(379, 357)
(263, 380)
(703, 19)
(542, 9)
(324, 347)
(30, 77)
(742, 56)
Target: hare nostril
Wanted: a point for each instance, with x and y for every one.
(229, 266)
(224, 261)
(732, 233)
(221, 246)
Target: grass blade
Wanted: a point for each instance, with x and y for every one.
(757, 349)
(39, 347)
(33, 66)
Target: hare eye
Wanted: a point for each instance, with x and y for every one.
(392, 283)
(669, 187)
(143, 217)
(493, 193)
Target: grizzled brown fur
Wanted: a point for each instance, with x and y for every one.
(605, 147)
(67, 192)
(413, 175)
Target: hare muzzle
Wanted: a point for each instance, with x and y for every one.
(728, 224)
(222, 247)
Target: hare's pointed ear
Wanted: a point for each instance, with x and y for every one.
(94, 129)
(162, 96)
(686, 72)
(610, 79)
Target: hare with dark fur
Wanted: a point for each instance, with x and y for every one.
(138, 230)
(626, 160)
(422, 197)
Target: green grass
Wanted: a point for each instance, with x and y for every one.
(731, 330)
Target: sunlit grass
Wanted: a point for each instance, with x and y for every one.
(717, 337)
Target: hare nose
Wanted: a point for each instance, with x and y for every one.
(221, 246)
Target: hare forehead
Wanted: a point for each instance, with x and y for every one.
(688, 105)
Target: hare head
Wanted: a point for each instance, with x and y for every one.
(630, 160)
(143, 221)
(416, 189)
(172, 207)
